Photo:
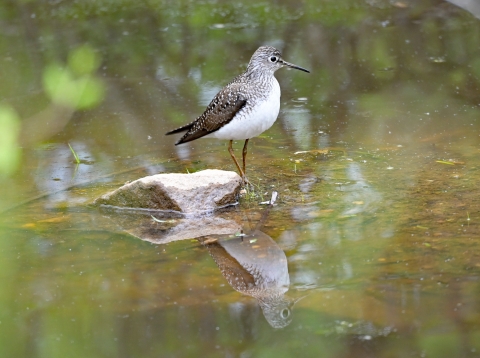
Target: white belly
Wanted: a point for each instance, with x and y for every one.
(249, 123)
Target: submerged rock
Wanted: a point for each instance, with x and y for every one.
(154, 228)
(194, 193)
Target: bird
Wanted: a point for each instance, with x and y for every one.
(246, 107)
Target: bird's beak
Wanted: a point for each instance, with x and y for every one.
(291, 65)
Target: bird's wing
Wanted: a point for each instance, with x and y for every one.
(237, 275)
(221, 110)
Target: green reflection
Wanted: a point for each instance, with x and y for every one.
(10, 152)
(64, 89)
(83, 60)
(75, 86)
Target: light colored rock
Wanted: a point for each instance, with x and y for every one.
(181, 229)
(472, 6)
(194, 193)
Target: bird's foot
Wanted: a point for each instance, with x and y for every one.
(245, 181)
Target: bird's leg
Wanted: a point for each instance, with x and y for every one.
(245, 156)
(230, 149)
(242, 174)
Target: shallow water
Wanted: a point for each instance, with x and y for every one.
(372, 248)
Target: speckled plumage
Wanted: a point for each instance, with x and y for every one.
(245, 107)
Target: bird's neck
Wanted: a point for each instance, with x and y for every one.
(257, 72)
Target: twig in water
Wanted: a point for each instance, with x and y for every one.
(77, 159)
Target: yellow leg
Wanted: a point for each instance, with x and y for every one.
(245, 156)
(242, 173)
(230, 149)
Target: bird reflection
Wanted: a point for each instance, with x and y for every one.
(252, 264)
(255, 266)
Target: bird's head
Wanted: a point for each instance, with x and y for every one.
(269, 59)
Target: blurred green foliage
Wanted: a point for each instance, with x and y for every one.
(64, 89)
(83, 60)
(10, 152)
(75, 85)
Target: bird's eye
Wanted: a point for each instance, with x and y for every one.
(273, 59)
(285, 313)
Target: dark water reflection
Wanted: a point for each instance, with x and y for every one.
(374, 237)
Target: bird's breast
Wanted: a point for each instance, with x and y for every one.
(258, 115)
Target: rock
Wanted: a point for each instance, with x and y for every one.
(179, 229)
(195, 193)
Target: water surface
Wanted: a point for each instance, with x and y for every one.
(372, 248)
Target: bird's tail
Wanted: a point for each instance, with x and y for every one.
(184, 128)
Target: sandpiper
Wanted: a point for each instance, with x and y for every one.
(244, 108)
